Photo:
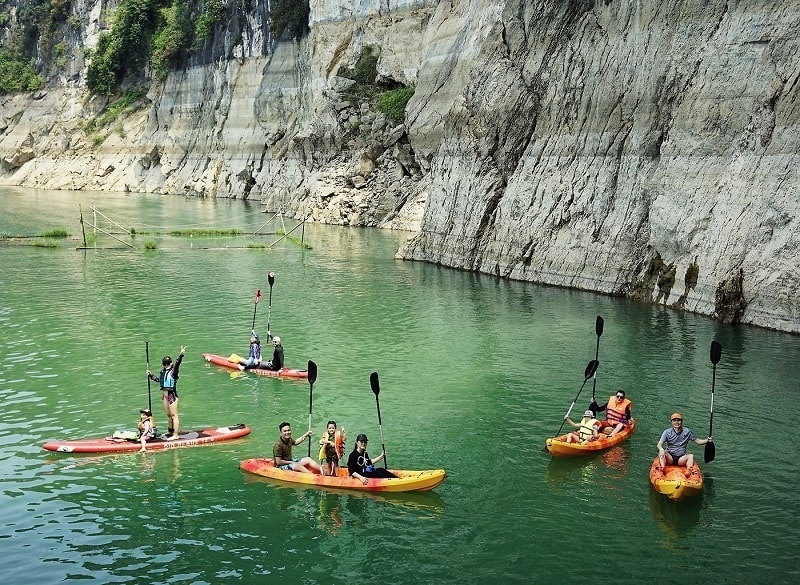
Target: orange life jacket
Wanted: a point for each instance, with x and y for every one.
(616, 411)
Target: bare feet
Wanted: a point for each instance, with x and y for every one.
(142, 450)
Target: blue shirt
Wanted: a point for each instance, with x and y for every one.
(675, 443)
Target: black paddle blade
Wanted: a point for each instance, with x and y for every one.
(710, 453)
(373, 382)
(598, 326)
(312, 372)
(716, 352)
(591, 368)
(271, 278)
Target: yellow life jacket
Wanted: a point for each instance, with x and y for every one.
(587, 429)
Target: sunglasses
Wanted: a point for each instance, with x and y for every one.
(677, 419)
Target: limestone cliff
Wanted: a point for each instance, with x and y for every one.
(645, 149)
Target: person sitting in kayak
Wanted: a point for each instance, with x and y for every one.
(282, 452)
(331, 448)
(676, 438)
(147, 427)
(618, 412)
(589, 428)
(254, 356)
(361, 467)
(276, 363)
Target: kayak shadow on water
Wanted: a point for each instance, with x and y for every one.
(675, 518)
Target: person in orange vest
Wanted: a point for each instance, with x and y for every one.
(618, 412)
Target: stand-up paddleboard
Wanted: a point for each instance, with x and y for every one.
(219, 360)
(117, 444)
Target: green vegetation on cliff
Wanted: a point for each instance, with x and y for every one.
(144, 37)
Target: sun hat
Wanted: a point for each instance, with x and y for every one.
(276, 339)
(588, 413)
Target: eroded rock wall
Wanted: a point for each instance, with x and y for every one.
(644, 149)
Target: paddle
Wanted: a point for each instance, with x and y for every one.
(255, 306)
(312, 377)
(716, 354)
(271, 279)
(376, 388)
(598, 327)
(147, 357)
(591, 368)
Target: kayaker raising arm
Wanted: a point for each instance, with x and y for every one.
(588, 428)
(618, 412)
(676, 438)
(254, 355)
(168, 380)
(282, 452)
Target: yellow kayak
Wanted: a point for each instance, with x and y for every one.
(406, 480)
(558, 446)
(672, 481)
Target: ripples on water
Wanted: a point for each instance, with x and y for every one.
(475, 373)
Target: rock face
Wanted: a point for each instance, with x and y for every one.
(643, 149)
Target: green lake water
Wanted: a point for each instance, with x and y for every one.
(475, 374)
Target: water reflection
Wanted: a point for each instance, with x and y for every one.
(611, 465)
(675, 519)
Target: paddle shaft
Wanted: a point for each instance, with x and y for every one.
(716, 354)
(591, 368)
(255, 306)
(271, 279)
(376, 388)
(312, 377)
(598, 327)
(147, 357)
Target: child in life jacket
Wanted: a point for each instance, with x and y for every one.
(331, 448)
(147, 427)
(588, 428)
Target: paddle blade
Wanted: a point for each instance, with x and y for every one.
(271, 279)
(591, 368)
(716, 352)
(598, 326)
(235, 358)
(711, 452)
(312, 372)
(258, 296)
(373, 382)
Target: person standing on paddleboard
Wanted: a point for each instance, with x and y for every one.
(676, 439)
(168, 380)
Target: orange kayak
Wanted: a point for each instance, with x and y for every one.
(232, 363)
(672, 481)
(558, 446)
(406, 481)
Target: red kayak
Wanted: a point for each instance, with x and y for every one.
(118, 444)
(232, 363)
